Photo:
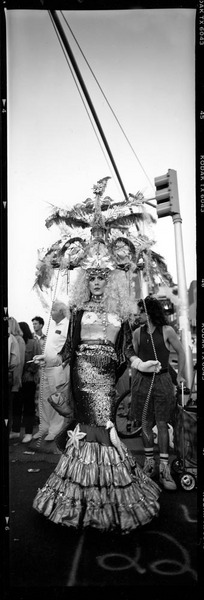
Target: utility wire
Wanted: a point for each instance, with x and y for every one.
(81, 96)
(96, 80)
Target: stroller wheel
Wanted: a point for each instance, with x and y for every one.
(188, 482)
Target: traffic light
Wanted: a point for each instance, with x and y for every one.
(167, 194)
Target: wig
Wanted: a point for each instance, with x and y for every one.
(118, 297)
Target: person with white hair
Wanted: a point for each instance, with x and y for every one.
(50, 421)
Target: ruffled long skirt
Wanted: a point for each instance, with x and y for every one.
(97, 482)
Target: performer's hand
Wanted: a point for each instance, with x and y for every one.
(149, 366)
(180, 380)
(40, 360)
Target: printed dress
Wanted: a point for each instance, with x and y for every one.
(97, 482)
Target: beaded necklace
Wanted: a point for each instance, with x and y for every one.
(96, 304)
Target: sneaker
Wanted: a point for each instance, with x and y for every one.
(49, 438)
(27, 438)
(38, 435)
(149, 467)
(13, 435)
(165, 477)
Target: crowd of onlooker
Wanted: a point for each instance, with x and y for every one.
(23, 377)
(29, 385)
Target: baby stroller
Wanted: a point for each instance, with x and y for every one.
(184, 466)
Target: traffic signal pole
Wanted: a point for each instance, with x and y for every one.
(168, 205)
(184, 324)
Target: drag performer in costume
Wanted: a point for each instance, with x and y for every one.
(97, 482)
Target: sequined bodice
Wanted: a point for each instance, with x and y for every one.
(94, 368)
(100, 325)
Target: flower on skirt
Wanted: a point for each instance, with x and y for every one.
(75, 436)
(115, 439)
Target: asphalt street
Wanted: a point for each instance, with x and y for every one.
(45, 555)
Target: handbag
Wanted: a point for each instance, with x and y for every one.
(60, 400)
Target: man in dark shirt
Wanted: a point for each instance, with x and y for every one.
(153, 398)
(38, 324)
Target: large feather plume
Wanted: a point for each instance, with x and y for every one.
(116, 214)
(118, 217)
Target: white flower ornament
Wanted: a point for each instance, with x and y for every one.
(115, 438)
(75, 436)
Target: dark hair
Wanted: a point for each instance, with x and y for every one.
(39, 319)
(154, 310)
(27, 334)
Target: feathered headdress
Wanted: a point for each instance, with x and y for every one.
(104, 241)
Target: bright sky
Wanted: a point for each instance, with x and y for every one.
(144, 61)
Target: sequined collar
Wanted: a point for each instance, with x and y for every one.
(97, 298)
(93, 306)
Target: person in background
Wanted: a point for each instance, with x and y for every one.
(17, 372)
(38, 324)
(50, 421)
(155, 331)
(13, 356)
(24, 406)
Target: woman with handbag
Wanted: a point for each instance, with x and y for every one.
(24, 405)
(97, 482)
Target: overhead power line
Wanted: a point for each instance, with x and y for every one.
(78, 88)
(106, 99)
(87, 96)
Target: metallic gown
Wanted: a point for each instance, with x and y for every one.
(97, 482)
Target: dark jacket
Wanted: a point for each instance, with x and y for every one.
(123, 346)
